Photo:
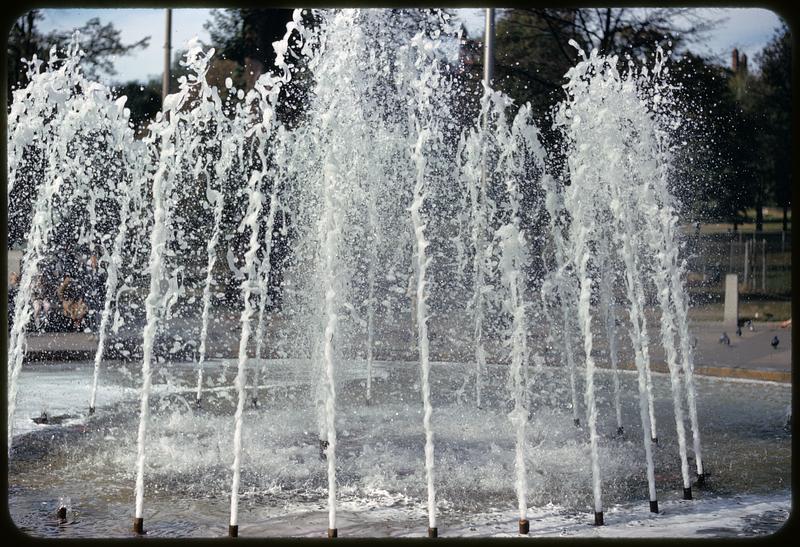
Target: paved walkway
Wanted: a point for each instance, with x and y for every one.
(748, 356)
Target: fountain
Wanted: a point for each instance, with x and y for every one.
(404, 227)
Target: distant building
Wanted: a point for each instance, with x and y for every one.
(738, 62)
(740, 79)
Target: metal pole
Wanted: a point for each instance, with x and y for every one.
(746, 264)
(764, 265)
(167, 55)
(488, 48)
(730, 262)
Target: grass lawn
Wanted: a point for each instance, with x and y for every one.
(773, 222)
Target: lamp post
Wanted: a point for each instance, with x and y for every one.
(167, 52)
(488, 48)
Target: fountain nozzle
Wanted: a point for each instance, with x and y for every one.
(233, 530)
(687, 493)
(620, 431)
(524, 526)
(654, 506)
(598, 518)
(138, 526)
(433, 532)
(62, 513)
(333, 532)
(655, 440)
(91, 410)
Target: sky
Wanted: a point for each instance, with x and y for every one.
(748, 29)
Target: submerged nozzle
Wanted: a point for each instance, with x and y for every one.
(91, 410)
(620, 431)
(701, 479)
(433, 532)
(577, 422)
(655, 440)
(524, 526)
(62, 513)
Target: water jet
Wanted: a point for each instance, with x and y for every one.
(378, 254)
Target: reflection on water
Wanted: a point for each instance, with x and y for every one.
(382, 488)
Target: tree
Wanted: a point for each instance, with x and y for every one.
(709, 172)
(775, 103)
(246, 36)
(534, 50)
(100, 42)
(144, 101)
(747, 127)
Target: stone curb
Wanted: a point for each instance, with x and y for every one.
(782, 376)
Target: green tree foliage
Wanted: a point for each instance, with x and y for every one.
(775, 103)
(734, 125)
(756, 116)
(714, 175)
(100, 42)
(144, 101)
(534, 50)
(246, 36)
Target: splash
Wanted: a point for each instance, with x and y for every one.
(403, 196)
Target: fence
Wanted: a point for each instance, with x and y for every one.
(763, 262)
